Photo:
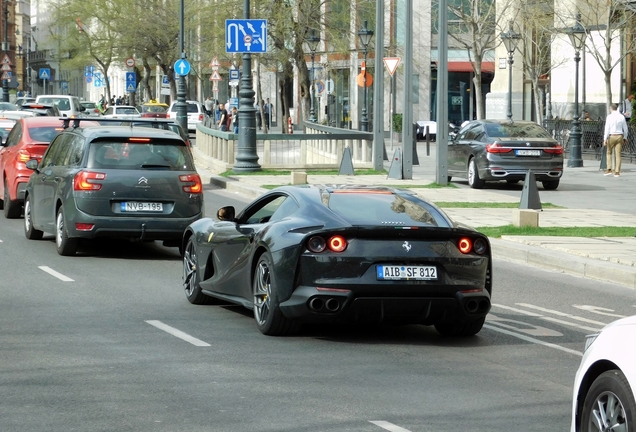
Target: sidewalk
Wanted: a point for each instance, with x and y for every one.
(590, 200)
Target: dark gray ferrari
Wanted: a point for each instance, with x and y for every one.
(322, 254)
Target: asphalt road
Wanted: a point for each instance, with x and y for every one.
(106, 341)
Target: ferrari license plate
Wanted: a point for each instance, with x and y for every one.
(528, 152)
(390, 272)
(134, 206)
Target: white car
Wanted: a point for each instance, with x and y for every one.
(604, 385)
(124, 112)
(69, 106)
(196, 113)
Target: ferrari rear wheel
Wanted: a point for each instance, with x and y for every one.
(191, 276)
(461, 328)
(269, 318)
(609, 404)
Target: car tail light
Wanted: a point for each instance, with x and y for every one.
(480, 246)
(335, 243)
(88, 181)
(200, 117)
(194, 183)
(497, 148)
(84, 226)
(465, 245)
(554, 150)
(316, 244)
(24, 156)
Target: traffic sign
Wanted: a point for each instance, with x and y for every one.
(88, 71)
(130, 62)
(214, 64)
(130, 87)
(330, 85)
(97, 82)
(6, 59)
(320, 86)
(131, 77)
(234, 75)
(45, 73)
(391, 64)
(6, 76)
(89, 79)
(182, 67)
(246, 36)
(215, 76)
(215, 87)
(6, 67)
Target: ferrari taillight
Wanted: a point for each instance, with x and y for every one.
(336, 243)
(88, 181)
(467, 245)
(193, 183)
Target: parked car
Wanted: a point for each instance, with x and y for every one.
(69, 106)
(90, 109)
(24, 99)
(154, 109)
(495, 150)
(8, 106)
(40, 109)
(112, 181)
(196, 113)
(348, 253)
(603, 397)
(124, 112)
(28, 139)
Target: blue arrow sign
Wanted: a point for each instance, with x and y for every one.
(45, 73)
(130, 87)
(88, 71)
(182, 67)
(246, 36)
(131, 78)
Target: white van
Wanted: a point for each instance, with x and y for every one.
(69, 106)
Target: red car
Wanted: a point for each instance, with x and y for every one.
(28, 139)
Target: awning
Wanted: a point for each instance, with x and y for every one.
(466, 66)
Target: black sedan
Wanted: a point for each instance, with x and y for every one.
(320, 254)
(496, 150)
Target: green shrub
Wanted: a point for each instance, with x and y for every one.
(397, 123)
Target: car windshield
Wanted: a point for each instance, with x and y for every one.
(381, 208)
(126, 110)
(192, 108)
(169, 154)
(62, 103)
(44, 133)
(513, 130)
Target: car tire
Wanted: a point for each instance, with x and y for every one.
(610, 400)
(473, 175)
(12, 209)
(269, 318)
(65, 246)
(512, 181)
(191, 277)
(30, 232)
(448, 179)
(461, 328)
(550, 185)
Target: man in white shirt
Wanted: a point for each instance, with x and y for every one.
(614, 137)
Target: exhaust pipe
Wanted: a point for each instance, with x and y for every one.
(471, 306)
(332, 305)
(315, 304)
(484, 305)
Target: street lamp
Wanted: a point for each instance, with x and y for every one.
(312, 41)
(511, 40)
(5, 49)
(577, 36)
(365, 36)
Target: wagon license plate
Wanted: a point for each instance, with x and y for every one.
(134, 206)
(528, 152)
(389, 272)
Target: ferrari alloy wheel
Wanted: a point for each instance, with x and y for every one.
(269, 319)
(473, 175)
(65, 246)
(609, 404)
(30, 232)
(461, 328)
(11, 208)
(191, 276)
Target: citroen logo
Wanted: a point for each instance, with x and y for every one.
(528, 144)
(142, 180)
(406, 246)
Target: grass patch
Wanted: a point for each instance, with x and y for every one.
(497, 232)
(445, 204)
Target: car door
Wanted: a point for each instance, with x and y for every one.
(460, 149)
(8, 153)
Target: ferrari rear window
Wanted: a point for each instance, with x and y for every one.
(140, 155)
(383, 209)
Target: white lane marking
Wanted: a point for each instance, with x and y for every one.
(554, 320)
(52, 272)
(523, 327)
(388, 426)
(517, 310)
(533, 340)
(567, 323)
(599, 310)
(178, 333)
(563, 314)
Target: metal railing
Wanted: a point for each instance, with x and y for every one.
(591, 137)
(321, 147)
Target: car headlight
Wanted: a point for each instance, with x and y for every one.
(589, 340)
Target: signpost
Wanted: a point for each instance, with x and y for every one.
(45, 74)
(246, 36)
(131, 82)
(130, 62)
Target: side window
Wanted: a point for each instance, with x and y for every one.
(15, 135)
(62, 151)
(75, 153)
(287, 207)
(49, 155)
(264, 210)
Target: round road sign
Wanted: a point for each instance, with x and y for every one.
(130, 62)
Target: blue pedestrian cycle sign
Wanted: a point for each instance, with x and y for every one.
(246, 36)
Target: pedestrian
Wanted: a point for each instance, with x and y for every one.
(235, 120)
(626, 107)
(614, 137)
(222, 118)
(586, 116)
(268, 113)
(208, 105)
(257, 113)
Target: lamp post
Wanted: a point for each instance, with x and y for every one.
(365, 36)
(312, 41)
(5, 49)
(577, 36)
(511, 40)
